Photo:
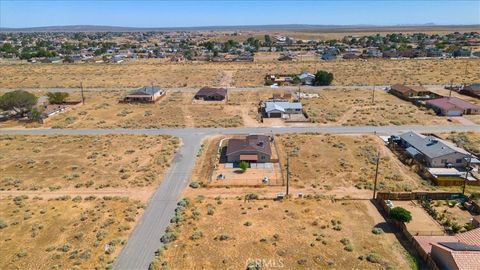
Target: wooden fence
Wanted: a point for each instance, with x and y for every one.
(409, 196)
(411, 240)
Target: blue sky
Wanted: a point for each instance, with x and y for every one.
(210, 13)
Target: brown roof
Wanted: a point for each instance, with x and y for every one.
(210, 91)
(252, 143)
(464, 259)
(471, 237)
(405, 88)
(448, 103)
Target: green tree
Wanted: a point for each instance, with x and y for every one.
(400, 214)
(323, 78)
(19, 101)
(244, 165)
(268, 41)
(8, 48)
(57, 97)
(35, 115)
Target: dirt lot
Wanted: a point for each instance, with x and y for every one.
(295, 234)
(176, 109)
(66, 233)
(467, 140)
(336, 105)
(144, 72)
(356, 107)
(103, 110)
(326, 162)
(422, 223)
(67, 162)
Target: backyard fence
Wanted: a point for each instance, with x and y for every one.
(409, 196)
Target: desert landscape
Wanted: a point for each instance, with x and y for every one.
(144, 72)
(64, 232)
(38, 163)
(308, 233)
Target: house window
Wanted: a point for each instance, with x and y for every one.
(444, 161)
(458, 161)
(262, 157)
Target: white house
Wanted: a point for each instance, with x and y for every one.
(307, 78)
(279, 109)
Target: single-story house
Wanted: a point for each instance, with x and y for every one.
(328, 56)
(307, 78)
(210, 93)
(432, 151)
(414, 92)
(277, 109)
(461, 251)
(145, 94)
(471, 90)
(278, 79)
(52, 60)
(286, 57)
(253, 148)
(452, 106)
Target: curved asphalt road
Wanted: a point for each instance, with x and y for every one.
(145, 239)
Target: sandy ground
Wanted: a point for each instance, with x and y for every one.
(145, 72)
(64, 232)
(298, 234)
(422, 223)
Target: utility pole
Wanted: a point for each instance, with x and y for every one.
(466, 173)
(288, 176)
(373, 94)
(376, 175)
(81, 90)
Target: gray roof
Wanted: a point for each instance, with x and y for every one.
(147, 90)
(430, 146)
(282, 106)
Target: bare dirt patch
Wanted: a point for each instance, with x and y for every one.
(297, 234)
(95, 162)
(326, 162)
(364, 107)
(144, 72)
(64, 233)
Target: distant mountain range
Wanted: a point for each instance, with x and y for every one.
(100, 28)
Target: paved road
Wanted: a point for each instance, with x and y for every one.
(145, 239)
(253, 88)
(247, 130)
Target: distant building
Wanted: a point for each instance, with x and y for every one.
(411, 92)
(307, 78)
(254, 148)
(52, 60)
(452, 106)
(146, 94)
(274, 109)
(328, 56)
(471, 90)
(211, 94)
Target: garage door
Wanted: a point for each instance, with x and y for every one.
(275, 115)
(454, 113)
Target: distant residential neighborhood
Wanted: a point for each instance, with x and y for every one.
(227, 46)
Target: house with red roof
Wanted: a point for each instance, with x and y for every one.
(452, 106)
(461, 251)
